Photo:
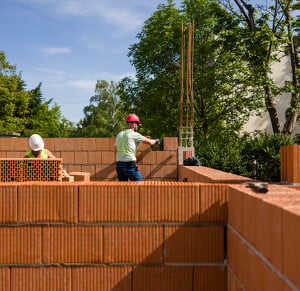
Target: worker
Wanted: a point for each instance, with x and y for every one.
(38, 151)
(127, 142)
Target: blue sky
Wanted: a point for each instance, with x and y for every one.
(70, 44)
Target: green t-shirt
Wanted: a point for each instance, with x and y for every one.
(127, 142)
(31, 155)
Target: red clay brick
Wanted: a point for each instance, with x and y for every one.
(238, 258)
(75, 144)
(164, 171)
(108, 157)
(4, 278)
(162, 278)
(150, 158)
(106, 171)
(21, 144)
(73, 168)
(169, 202)
(7, 143)
(213, 202)
(20, 245)
(15, 155)
(109, 202)
(42, 278)
(94, 157)
(145, 171)
(210, 278)
(170, 143)
(143, 147)
(72, 244)
(232, 284)
(166, 157)
(112, 147)
(8, 204)
(57, 154)
(251, 272)
(47, 203)
(101, 278)
(68, 157)
(194, 244)
(133, 244)
(49, 144)
(81, 176)
(81, 158)
(103, 144)
(3, 155)
(61, 144)
(291, 242)
(209, 175)
(89, 144)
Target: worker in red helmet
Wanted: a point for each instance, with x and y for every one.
(127, 142)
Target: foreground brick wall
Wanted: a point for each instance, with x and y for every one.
(263, 239)
(97, 156)
(113, 236)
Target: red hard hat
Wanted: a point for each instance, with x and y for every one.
(133, 118)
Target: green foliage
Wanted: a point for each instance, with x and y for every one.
(255, 156)
(104, 116)
(221, 76)
(25, 111)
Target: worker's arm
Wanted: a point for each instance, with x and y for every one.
(151, 141)
(51, 156)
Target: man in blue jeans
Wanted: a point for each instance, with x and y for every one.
(127, 142)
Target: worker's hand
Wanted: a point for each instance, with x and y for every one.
(157, 141)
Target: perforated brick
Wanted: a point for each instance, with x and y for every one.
(102, 278)
(23, 170)
(42, 278)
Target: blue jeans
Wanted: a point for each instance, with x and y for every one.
(128, 171)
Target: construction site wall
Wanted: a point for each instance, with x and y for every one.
(113, 236)
(262, 232)
(97, 156)
(208, 231)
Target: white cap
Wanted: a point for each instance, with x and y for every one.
(36, 142)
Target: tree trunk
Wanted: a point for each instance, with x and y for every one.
(272, 109)
(293, 111)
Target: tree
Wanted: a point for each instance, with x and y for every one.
(268, 32)
(25, 111)
(104, 116)
(221, 77)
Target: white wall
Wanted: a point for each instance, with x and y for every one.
(281, 73)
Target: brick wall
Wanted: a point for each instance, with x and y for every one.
(98, 156)
(113, 236)
(263, 239)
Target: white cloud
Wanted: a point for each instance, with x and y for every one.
(50, 71)
(120, 14)
(82, 84)
(51, 51)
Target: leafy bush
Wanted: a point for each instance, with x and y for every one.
(254, 155)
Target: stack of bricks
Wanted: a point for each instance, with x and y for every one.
(97, 156)
(24, 170)
(113, 236)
